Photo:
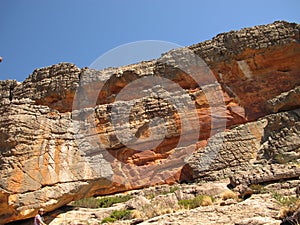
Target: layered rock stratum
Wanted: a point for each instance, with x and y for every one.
(227, 107)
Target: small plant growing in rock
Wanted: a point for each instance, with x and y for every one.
(136, 214)
(290, 201)
(289, 204)
(200, 200)
(121, 214)
(207, 200)
(159, 205)
(150, 196)
(186, 203)
(106, 202)
(91, 203)
(108, 220)
(103, 202)
(150, 211)
(117, 215)
(258, 188)
(173, 189)
(281, 159)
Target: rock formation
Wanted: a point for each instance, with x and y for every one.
(211, 110)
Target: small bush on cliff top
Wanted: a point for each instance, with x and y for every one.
(103, 202)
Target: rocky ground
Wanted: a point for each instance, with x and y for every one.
(161, 205)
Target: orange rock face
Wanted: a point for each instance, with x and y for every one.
(196, 112)
(261, 75)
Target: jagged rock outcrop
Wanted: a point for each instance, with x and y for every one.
(52, 86)
(67, 132)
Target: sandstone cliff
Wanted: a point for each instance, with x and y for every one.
(207, 111)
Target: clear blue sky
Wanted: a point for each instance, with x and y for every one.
(36, 33)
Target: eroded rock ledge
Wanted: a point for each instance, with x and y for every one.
(54, 149)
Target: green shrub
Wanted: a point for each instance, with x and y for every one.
(103, 202)
(285, 200)
(258, 189)
(200, 200)
(91, 203)
(106, 202)
(173, 189)
(281, 159)
(121, 214)
(186, 203)
(108, 220)
(150, 196)
(289, 205)
(117, 215)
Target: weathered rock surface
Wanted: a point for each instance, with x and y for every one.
(162, 207)
(271, 139)
(256, 210)
(265, 175)
(52, 86)
(67, 132)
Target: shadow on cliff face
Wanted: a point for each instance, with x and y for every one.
(48, 217)
(186, 174)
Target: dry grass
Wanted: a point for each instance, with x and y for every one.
(284, 212)
(159, 205)
(136, 214)
(229, 195)
(150, 211)
(200, 200)
(206, 201)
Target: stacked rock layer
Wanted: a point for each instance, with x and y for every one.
(211, 110)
